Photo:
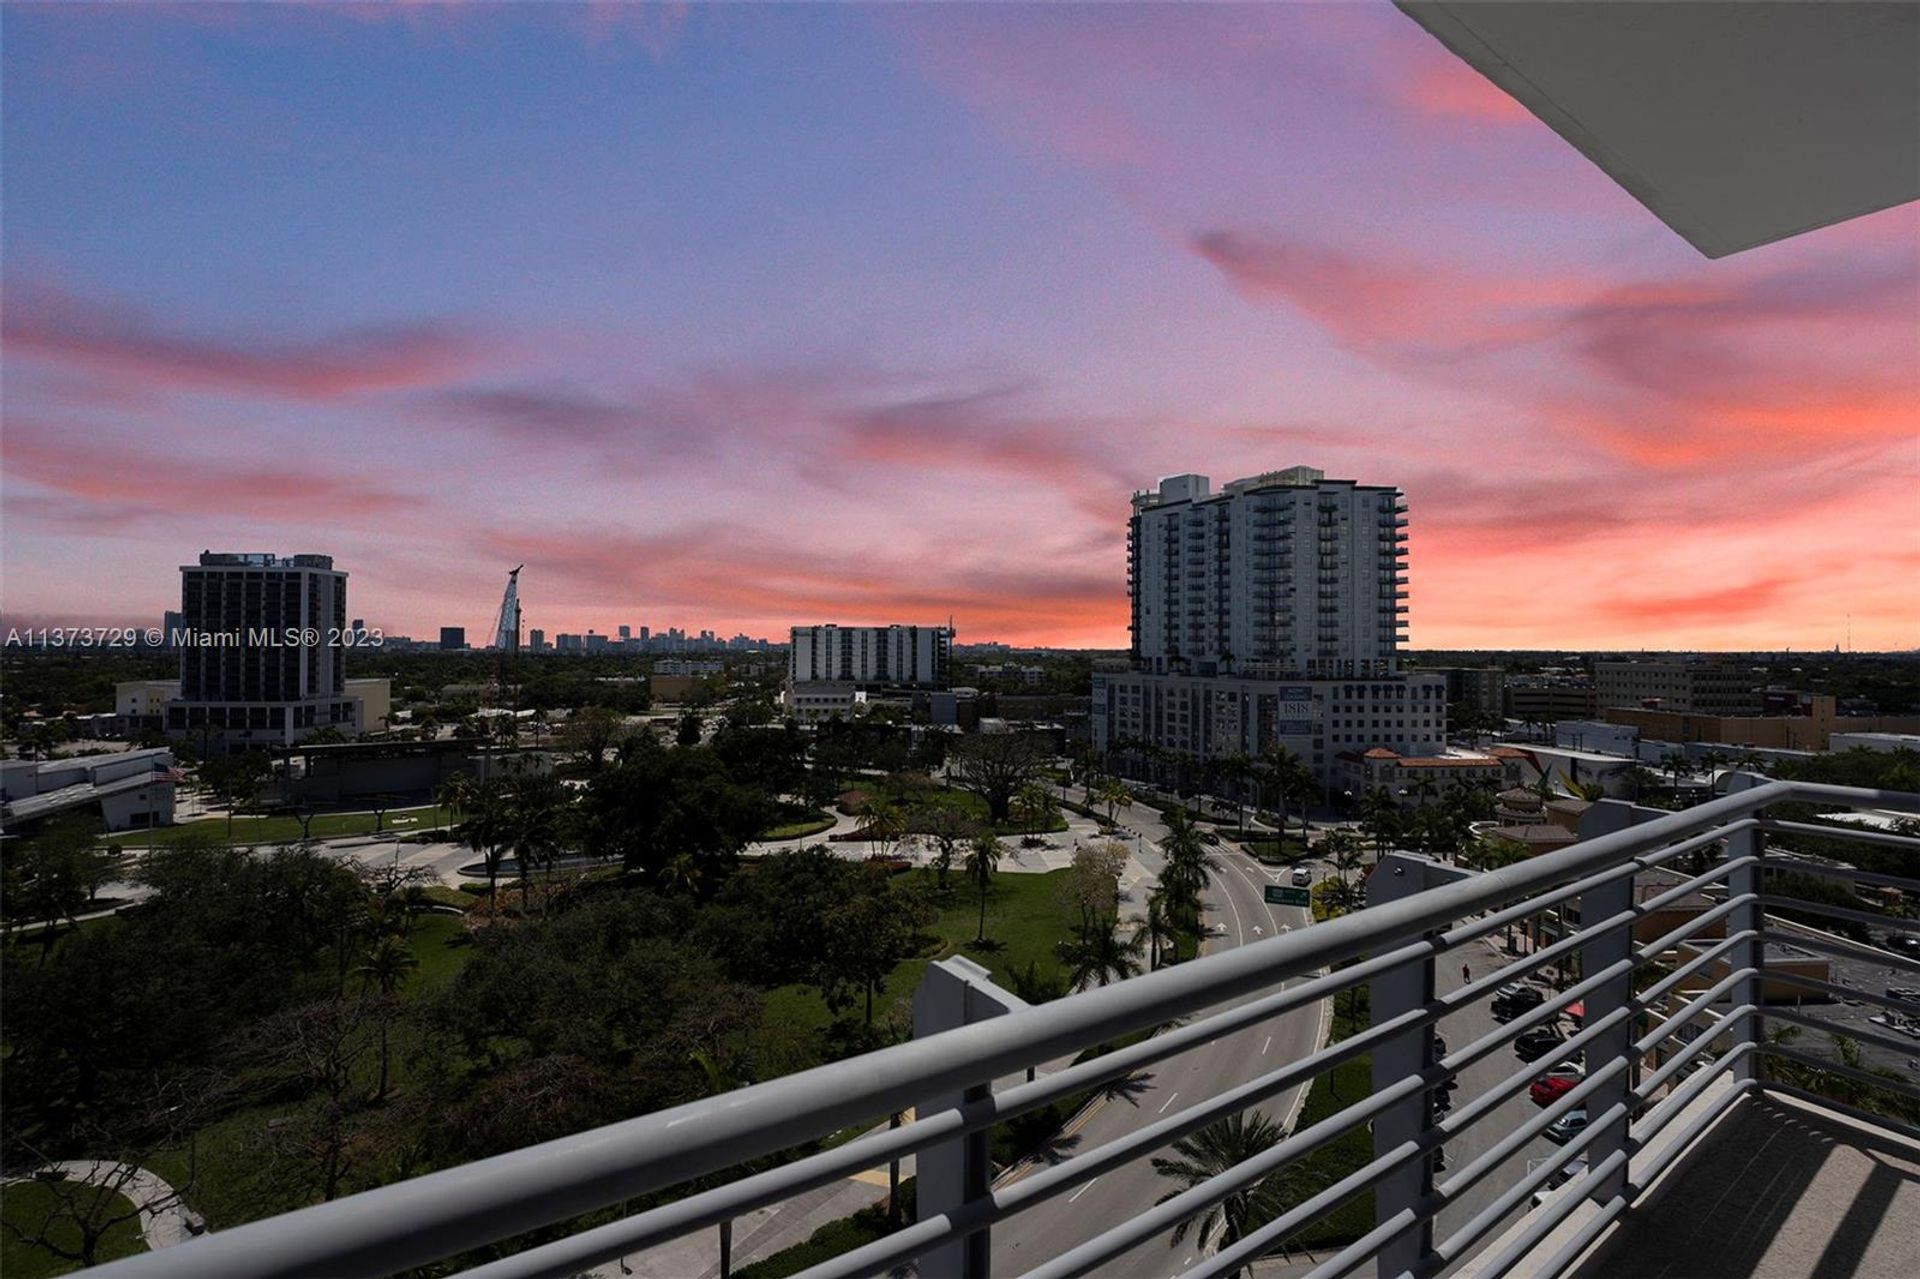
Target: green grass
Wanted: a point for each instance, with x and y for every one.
(25, 1204)
(1276, 850)
(1025, 924)
(799, 829)
(441, 945)
(281, 830)
(961, 801)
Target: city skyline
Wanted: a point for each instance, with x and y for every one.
(776, 315)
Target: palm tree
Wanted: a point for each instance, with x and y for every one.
(1157, 930)
(1098, 956)
(1112, 792)
(983, 859)
(387, 964)
(535, 808)
(1281, 766)
(1188, 865)
(456, 795)
(486, 833)
(1381, 819)
(1033, 805)
(881, 823)
(1214, 1150)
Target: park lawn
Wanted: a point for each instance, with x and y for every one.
(441, 944)
(282, 830)
(24, 1203)
(1275, 851)
(1025, 924)
(964, 802)
(796, 822)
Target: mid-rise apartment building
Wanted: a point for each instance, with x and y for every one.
(1691, 687)
(1480, 688)
(1268, 614)
(866, 655)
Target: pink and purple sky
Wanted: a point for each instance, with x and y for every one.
(747, 316)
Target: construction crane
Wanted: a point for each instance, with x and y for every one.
(506, 626)
(506, 636)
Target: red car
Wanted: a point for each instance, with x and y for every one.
(1548, 1090)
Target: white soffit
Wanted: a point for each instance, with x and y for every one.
(1737, 122)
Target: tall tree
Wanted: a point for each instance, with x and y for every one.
(1214, 1150)
(1098, 955)
(995, 766)
(983, 859)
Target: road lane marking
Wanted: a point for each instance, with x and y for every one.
(1083, 1190)
(1163, 1110)
(1267, 1045)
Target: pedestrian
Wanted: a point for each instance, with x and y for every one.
(1466, 975)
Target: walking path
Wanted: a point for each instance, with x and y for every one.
(165, 1219)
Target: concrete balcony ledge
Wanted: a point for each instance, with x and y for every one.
(1777, 1188)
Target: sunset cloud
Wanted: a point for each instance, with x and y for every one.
(119, 342)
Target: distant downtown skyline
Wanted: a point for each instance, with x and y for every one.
(765, 315)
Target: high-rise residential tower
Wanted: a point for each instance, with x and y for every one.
(1269, 615)
(1288, 574)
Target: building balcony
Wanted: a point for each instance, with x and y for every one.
(1703, 1150)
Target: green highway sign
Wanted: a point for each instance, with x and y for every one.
(1281, 895)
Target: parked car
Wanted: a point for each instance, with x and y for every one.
(1538, 1042)
(1567, 1127)
(1548, 1089)
(1509, 1003)
(1568, 1069)
(1572, 1171)
(1209, 837)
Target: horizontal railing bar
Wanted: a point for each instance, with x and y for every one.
(1846, 874)
(1257, 1243)
(1491, 1097)
(1893, 923)
(1858, 834)
(1698, 924)
(1840, 992)
(1846, 948)
(1048, 1182)
(1869, 1117)
(1781, 1012)
(1536, 1124)
(1456, 1244)
(1361, 1250)
(1644, 1090)
(1544, 1222)
(1687, 886)
(1630, 867)
(1645, 999)
(1604, 1215)
(1693, 1008)
(1904, 1087)
(1675, 1104)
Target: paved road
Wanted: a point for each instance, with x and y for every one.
(1048, 1229)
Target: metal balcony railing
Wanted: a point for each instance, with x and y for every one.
(1630, 1092)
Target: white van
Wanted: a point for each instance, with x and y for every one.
(1302, 876)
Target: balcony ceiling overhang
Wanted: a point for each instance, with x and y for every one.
(1737, 122)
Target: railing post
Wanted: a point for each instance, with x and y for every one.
(1598, 953)
(1752, 953)
(953, 993)
(1399, 990)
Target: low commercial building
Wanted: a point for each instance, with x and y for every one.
(1811, 731)
(127, 790)
(822, 699)
(1418, 780)
(1703, 687)
(1542, 699)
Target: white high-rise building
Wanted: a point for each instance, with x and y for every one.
(1269, 614)
(915, 655)
(1285, 574)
